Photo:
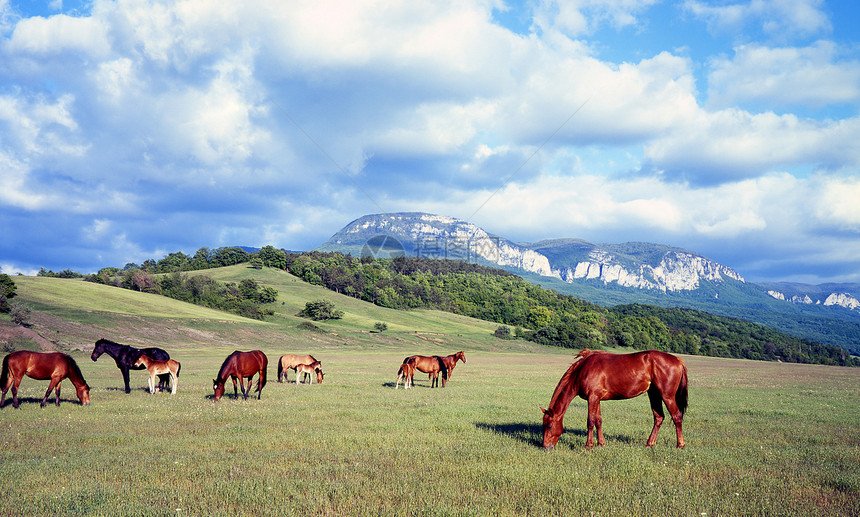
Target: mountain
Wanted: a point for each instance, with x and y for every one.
(639, 265)
(613, 274)
(840, 295)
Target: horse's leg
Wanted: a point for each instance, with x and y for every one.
(235, 389)
(677, 418)
(657, 408)
(125, 379)
(593, 420)
(173, 380)
(58, 392)
(600, 439)
(51, 386)
(15, 383)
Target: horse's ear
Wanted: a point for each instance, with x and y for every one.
(545, 411)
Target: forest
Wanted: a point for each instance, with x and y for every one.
(522, 309)
(547, 317)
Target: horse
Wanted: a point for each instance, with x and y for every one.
(240, 365)
(291, 361)
(451, 361)
(600, 376)
(307, 370)
(169, 367)
(41, 366)
(406, 372)
(125, 357)
(430, 365)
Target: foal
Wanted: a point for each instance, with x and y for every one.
(156, 368)
(406, 372)
(307, 370)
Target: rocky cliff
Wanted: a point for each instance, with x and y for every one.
(635, 265)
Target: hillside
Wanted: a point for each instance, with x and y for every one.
(72, 314)
(613, 274)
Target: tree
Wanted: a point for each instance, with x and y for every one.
(272, 257)
(380, 326)
(321, 310)
(229, 256)
(7, 291)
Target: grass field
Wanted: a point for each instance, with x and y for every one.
(762, 438)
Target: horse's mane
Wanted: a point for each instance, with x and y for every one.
(567, 380)
(224, 365)
(76, 371)
(104, 341)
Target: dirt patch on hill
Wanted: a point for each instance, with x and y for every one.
(13, 337)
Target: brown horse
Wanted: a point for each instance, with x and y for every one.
(240, 365)
(307, 370)
(288, 361)
(451, 361)
(156, 368)
(605, 376)
(41, 366)
(406, 372)
(432, 365)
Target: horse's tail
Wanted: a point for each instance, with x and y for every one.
(681, 394)
(280, 370)
(4, 377)
(178, 368)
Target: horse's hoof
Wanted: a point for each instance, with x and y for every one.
(549, 448)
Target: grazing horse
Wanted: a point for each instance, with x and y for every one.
(431, 365)
(307, 370)
(240, 365)
(125, 357)
(41, 366)
(406, 372)
(605, 376)
(291, 361)
(169, 367)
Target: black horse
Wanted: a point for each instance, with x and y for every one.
(125, 357)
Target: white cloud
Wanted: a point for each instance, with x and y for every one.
(731, 144)
(60, 33)
(784, 77)
(779, 19)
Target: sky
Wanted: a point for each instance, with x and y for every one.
(131, 129)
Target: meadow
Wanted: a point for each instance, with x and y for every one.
(762, 438)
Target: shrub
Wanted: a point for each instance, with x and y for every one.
(319, 310)
(20, 314)
(380, 326)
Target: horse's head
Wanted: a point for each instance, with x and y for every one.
(98, 350)
(320, 375)
(83, 394)
(461, 356)
(142, 360)
(218, 386)
(552, 428)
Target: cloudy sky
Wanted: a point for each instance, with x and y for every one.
(130, 129)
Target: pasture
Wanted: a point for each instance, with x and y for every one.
(762, 439)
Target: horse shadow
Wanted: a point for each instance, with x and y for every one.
(52, 401)
(416, 385)
(532, 434)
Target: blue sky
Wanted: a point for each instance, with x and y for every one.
(131, 129)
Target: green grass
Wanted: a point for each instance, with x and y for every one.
(762, 438)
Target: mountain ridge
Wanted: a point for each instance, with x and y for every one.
(614, 273)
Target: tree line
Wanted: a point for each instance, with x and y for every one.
(547, 317)
(169, 277)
